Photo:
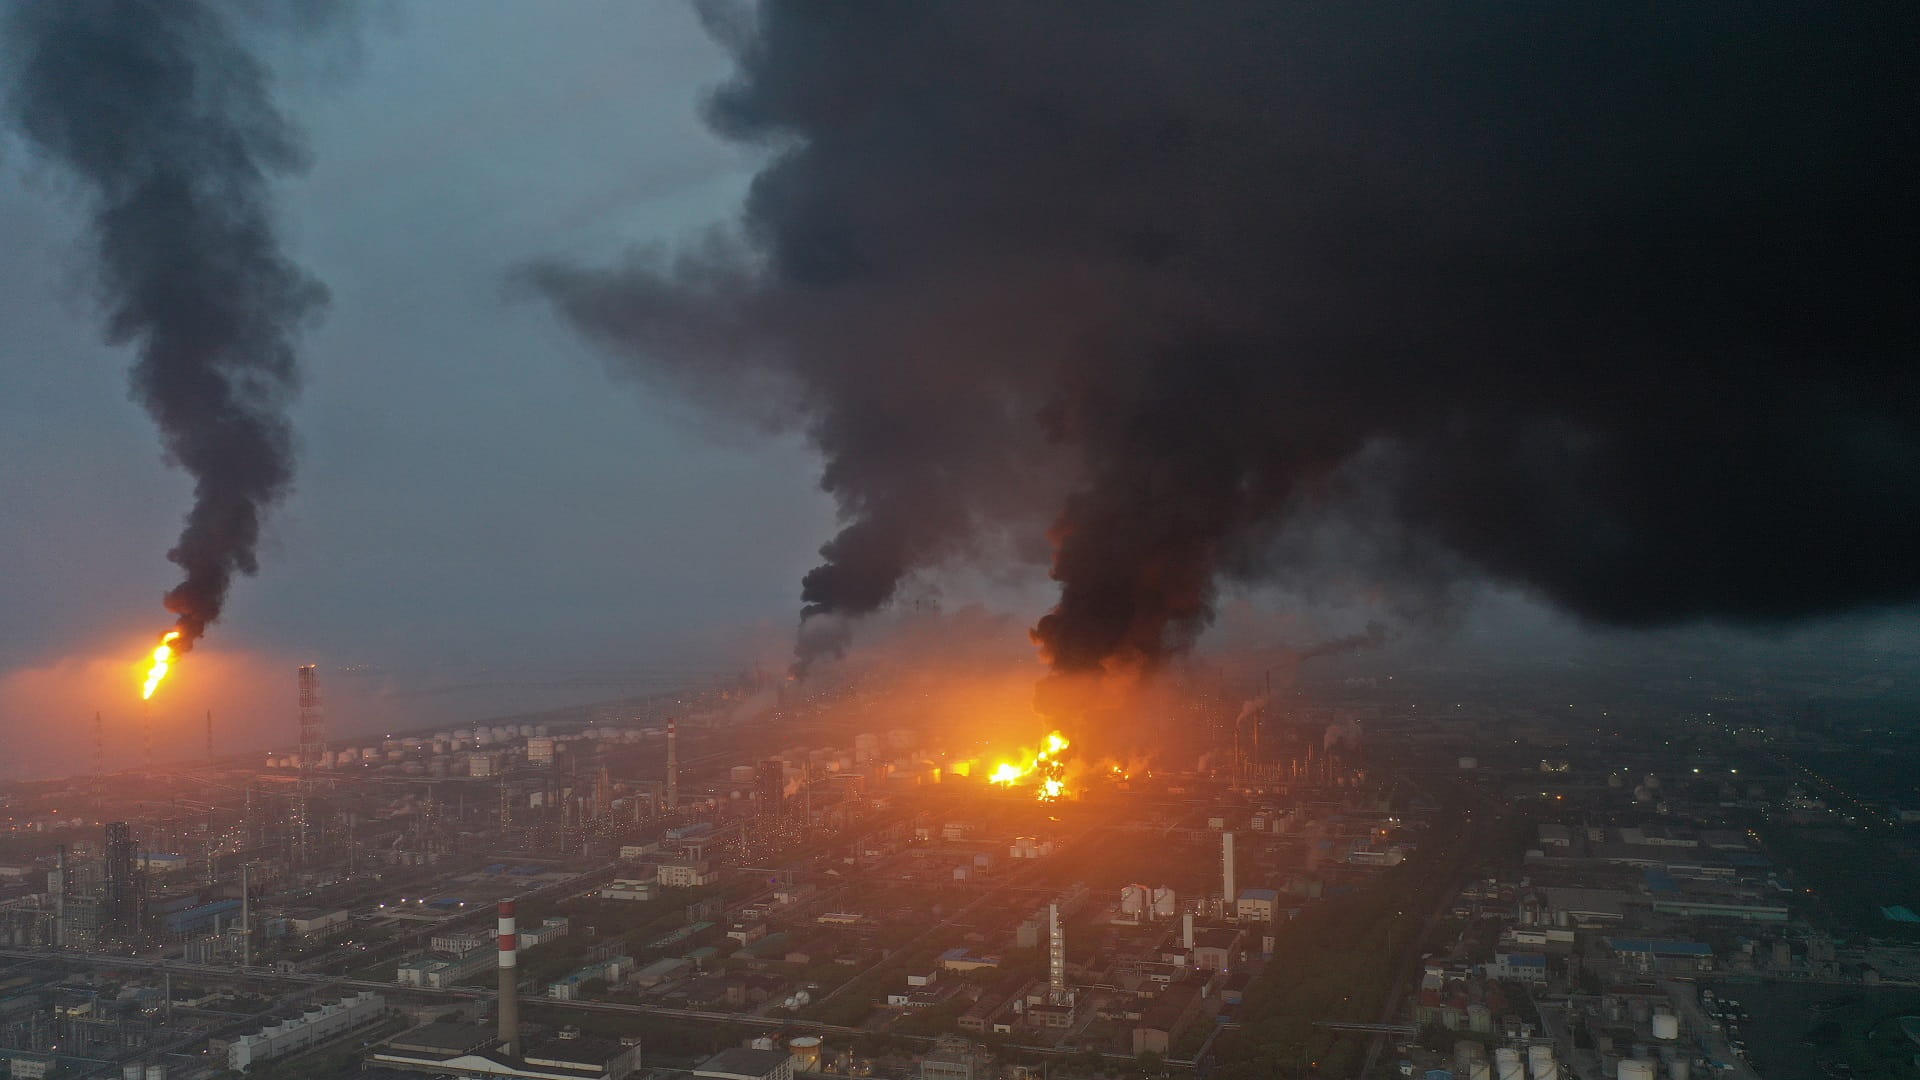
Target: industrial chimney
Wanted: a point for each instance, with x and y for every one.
(509, 982)
(673, 766)
(1056, 957)
(1229, 898)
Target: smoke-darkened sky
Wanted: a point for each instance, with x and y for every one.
(469, 487)
(1611, 309)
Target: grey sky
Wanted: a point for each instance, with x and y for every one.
(472, 488)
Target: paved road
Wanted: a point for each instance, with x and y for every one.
(1687, 1003)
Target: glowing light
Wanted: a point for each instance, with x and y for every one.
(1044, 768)
(163, 657)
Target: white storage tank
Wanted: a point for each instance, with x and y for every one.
(135, 1071)
(1635, 1069)
(156, 1072)
(1506, 1064)
(1480, 1070)
(806, 1053)
(1539, 1059)
(1666, 1026)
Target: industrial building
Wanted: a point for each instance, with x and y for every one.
(741, 1063)
(313, 1026)
(472, 1050)
(442, 972)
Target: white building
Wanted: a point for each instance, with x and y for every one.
(551, 929)
(685, 873)
(630, 889)
(441, 973)
(315, 1025)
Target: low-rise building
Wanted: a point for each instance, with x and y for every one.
(1655, 955)
(741, 1063)
(311, 924)
(685, 873)
(1256, 905)
(630, 889)
(314, 1025)
(469, 1050)
(1528, 967)
(550, 930)
(1163, 1021)
(443, 972)
(1215, 948)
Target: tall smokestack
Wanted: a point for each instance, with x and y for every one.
(1056, 957)
(60, 898)
(673, 766)
(509, 982)
(1227, 893)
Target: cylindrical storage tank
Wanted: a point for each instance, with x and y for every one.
(1480, 1070)
(1666, 1026)
(1639, 1010)
(741, 774)
(1479, 1019)
(806, 1053)
(762, 1043)
(135, 1071)
(156, 1072)
(1550, 1072)
(1635, 1069)
(1678, 1068)
(1539, 1059)
(1506, 1064)
(1465, 1051)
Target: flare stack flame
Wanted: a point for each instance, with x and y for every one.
(164, 655)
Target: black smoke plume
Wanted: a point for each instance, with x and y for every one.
(1613, 302)
(159, 112)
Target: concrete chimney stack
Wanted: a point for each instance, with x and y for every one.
(509, 982)
(1186, 930)
(1228, 895)
(673, 766)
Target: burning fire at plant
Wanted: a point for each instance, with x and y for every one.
(1045, 769)
(164, 655)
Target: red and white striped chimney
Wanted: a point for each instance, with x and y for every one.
(509, 982)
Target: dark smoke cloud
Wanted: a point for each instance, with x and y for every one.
(1613, 302)
(164, 119)
(1374, 636)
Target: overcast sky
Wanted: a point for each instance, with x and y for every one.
(474, 492)
(472, 488)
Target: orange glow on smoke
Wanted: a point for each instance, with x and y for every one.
(1044, 769)
(163, 657)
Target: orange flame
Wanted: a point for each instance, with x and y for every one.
(163, 656)
(1044, 766)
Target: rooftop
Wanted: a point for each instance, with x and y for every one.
(740, 1061)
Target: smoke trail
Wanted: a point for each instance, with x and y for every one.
(164, 119)
(1610, 302)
